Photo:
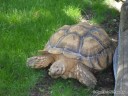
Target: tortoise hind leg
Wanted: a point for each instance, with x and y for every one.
(40, 61)
(84, 76)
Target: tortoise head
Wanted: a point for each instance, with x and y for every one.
(40, 61)
(57, 69)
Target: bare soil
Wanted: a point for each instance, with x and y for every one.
(105, 83)
(42, 87)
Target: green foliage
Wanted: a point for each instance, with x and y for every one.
(25, 27)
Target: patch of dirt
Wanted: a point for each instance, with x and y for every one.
(42, 87)
(111, 25)
(105, 78)
(105, 85)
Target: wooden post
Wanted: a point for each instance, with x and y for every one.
(121, 83)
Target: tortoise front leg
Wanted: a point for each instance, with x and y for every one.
(40, 61)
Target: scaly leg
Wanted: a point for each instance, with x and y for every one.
(40, 61)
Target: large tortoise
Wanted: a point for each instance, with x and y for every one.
(75, 51)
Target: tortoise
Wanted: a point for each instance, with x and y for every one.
(76, 51)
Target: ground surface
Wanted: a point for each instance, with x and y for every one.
(105, 83)
(105, 78)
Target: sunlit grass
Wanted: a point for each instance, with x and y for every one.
(73, 12)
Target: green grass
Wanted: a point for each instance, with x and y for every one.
(25, 27)
(67, 88)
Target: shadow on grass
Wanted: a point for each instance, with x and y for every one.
(102, 13)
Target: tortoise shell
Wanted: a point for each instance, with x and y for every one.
(89, 44)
